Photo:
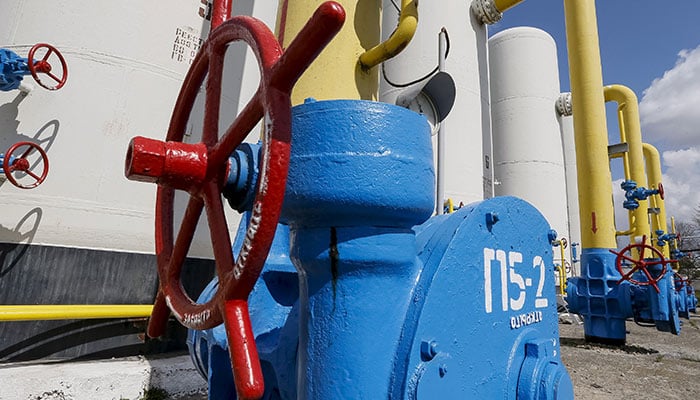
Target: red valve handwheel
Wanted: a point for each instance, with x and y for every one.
(661, 190)
(640, 264)
(679, 282)
(22, 164)
(43, 66)
(200, 169)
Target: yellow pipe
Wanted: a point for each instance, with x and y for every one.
(450, 206)
(562, 279)
(590, 130)
(562, 269)
(673, 230)
(624, 233)
(336, 73)
(631, 133)
(503, 5)
(399, 39)
(72, 311)
(491, 11)
(653, 162)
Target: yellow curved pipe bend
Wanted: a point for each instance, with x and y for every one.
(72, 311)
(631, 133)
(399, 39)
(503, 5)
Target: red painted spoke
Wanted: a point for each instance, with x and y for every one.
(54, 77)
(33, 175)
(164, 218)
(184, 238)
(641, 252)
(648, 275)
(630, 259)
(46, 56)
(238, 130)
(158, 323)
(628, 275)
(218, 229)
(212, 106)
(247, 373)
(27, 152)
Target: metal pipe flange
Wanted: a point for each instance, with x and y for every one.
(486, 11)
(564, 105)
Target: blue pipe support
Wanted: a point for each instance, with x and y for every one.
(691, 299)
(605, 304)
(595, 295)
(391, 303)
(12, 70)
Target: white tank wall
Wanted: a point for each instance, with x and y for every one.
(124, 77)
(567, 135)
(527, 143)
(466, 177)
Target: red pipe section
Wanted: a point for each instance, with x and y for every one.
(221, 12)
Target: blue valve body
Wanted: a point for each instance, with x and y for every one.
(365, 296)
(634, 194)
(12, 69)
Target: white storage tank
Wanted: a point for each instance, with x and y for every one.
(86, 235)
(467, 126)
(566, 123)
(528, 156)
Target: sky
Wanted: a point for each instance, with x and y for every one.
(652, 47)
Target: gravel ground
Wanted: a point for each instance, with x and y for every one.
(653, 365)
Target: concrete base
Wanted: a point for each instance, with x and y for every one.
(119, 379)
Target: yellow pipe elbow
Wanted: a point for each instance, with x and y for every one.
(491, 11)
(72, 311)
(631, 133)
(503, 5)
(399, 39)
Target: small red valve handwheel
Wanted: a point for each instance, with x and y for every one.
(43, 66)
(661, 190)
(641, 264)
(679, 282)
(22, 164)
(200, 169)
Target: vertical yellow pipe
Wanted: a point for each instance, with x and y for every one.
(336, 73)
(653, 161)
(590, 130)
(631, 133)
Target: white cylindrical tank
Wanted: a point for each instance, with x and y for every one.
(528, 157)
(126, 62)
(567, 136)
(86, 235)
(467, 164)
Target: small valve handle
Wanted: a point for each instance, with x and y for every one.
(679, 283)
(44, 67)
(12, 164)
(661, 192)
(200, 170)
(641, 264)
